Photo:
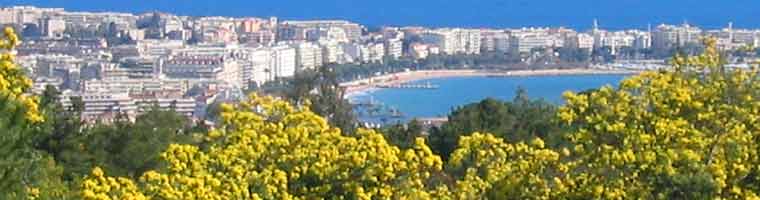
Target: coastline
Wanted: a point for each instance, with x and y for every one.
(357, 87)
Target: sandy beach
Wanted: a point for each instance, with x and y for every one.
(368, 84)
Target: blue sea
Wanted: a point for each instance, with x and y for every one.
(617, 14)
(457, 91)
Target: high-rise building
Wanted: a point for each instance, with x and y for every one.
(376, 52)
(204, 68)
(332, 52)
(394, 48)
(525, 43)
(642, 41)
(52, 27)
(308, 56)
(355, 52)
(669, 36)
(491, 39)
(102, 106)
(297, 29)
(454, 41)
(258, 69)
(283, 61)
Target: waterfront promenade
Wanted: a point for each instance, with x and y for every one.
(363, 85)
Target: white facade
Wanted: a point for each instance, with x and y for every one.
(375, 52)
(158, 48)
(134, 85)
(394, 48)
(501, 42)
(526, 43)
(494, 41)
(332, 52)
(308, 56)
(364, 53)
(205, 68)
(96, 105)
(642, 41)
(259, 69)
(183, 106)
(454, 41)
(283, 61)
(669, 36)
(356, 52)
(351, 30)
(53, 27)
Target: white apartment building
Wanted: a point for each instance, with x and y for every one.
(643, 41)
(283, 61)
(501, 42)
(394, 48)
(453, 41)
(205, 68)
(332, 52)
(52, 27)
(84, 19)
(308, 56)
(107, 105)
(98, 105)
(616, 40)
(419, 51)
(494, 40)
(524, 43)
(158, 48)
(355, 52)
(364, 53)
(376, 52)
(328, 33)
(580, 41)
(135, 85)
(352, 31)
(470, 39)
(258, 69)
(669, 36)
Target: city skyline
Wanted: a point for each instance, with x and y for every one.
(481, 14)
(127, 58)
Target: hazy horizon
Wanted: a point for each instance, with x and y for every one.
(622, 14)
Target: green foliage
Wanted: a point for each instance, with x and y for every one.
(320, 90)
(403, 135)
(123, 148)
(520, 120)
(24, 170)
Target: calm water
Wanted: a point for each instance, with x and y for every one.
(476, 13)
(458, 91)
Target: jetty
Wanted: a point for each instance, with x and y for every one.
(409, 86)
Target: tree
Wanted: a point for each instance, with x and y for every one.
(685, 133)
(520, 120)
(268, 149)
(486, 167)
(322, 92)
(403, 135)
(123, 148)
(24, 171)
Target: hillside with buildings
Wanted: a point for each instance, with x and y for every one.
(116, 62)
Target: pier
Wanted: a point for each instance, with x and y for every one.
(410, 86)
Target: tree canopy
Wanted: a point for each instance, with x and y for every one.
(683, 133)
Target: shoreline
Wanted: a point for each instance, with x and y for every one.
(353, 88)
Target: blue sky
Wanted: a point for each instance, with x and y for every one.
(613, 14)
